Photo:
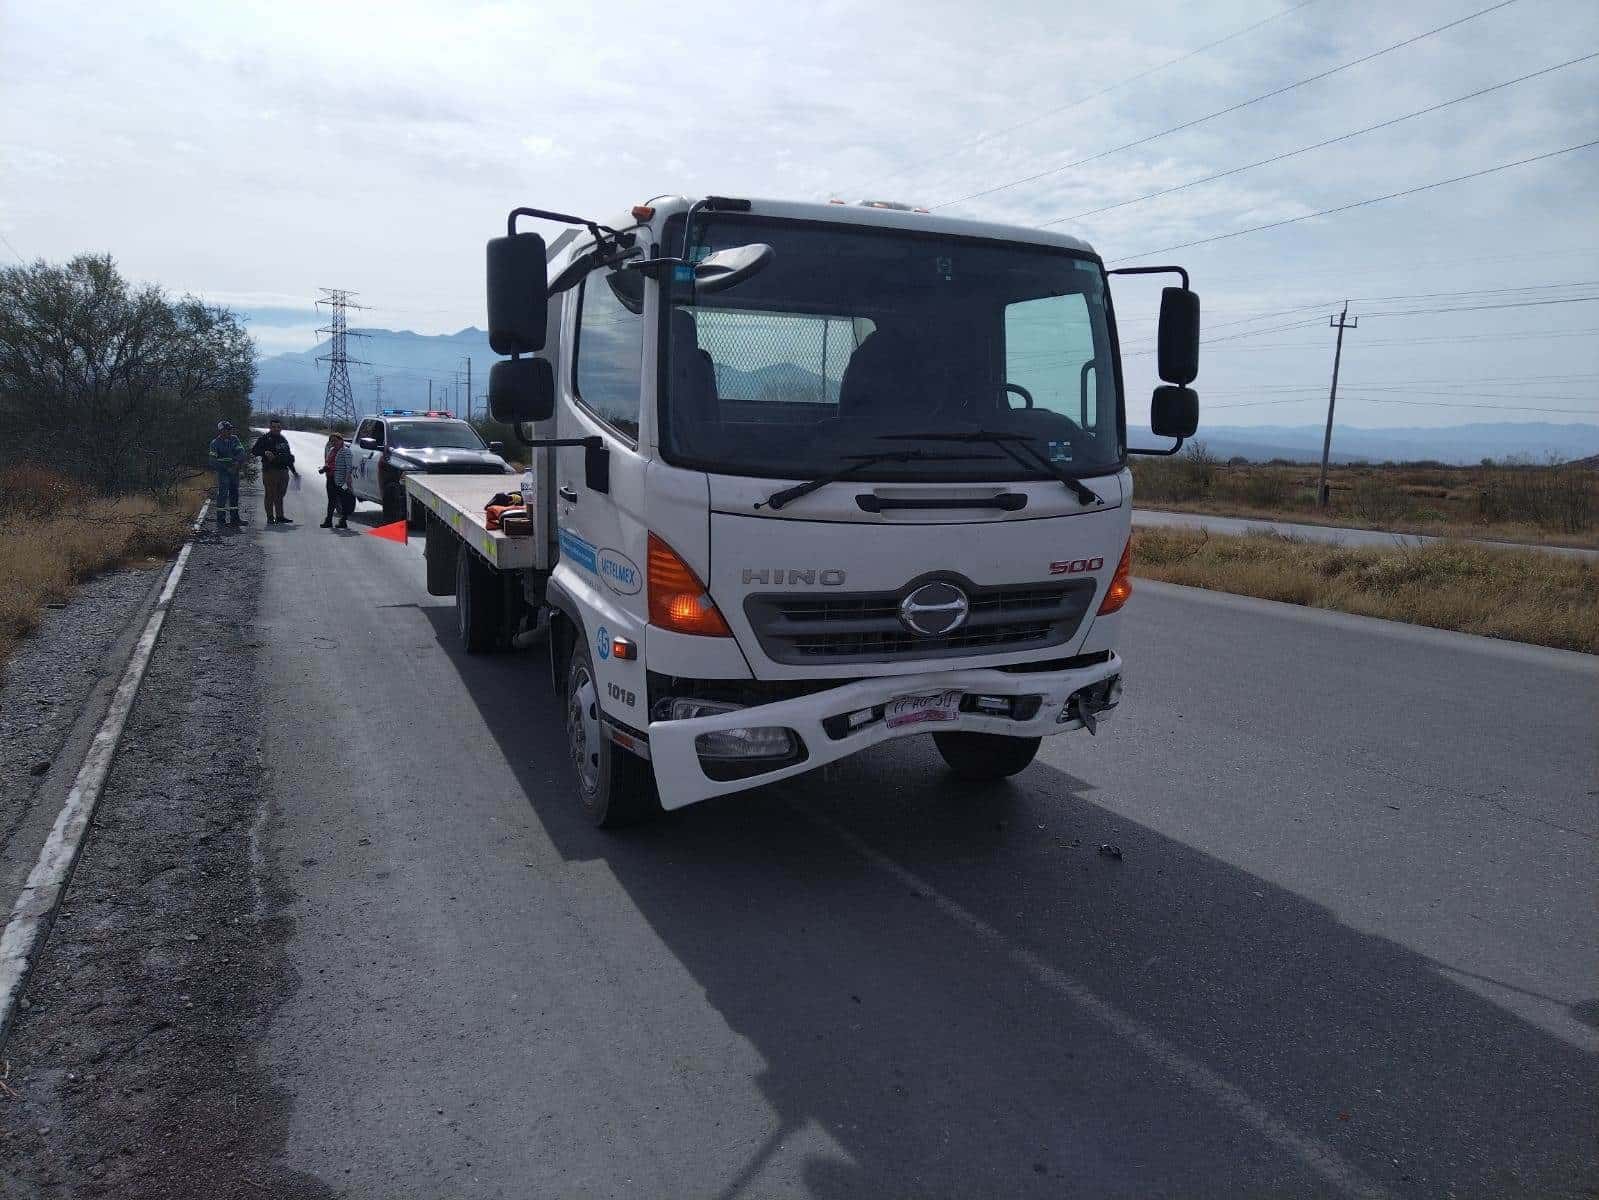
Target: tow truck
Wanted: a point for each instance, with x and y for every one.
(805, 478)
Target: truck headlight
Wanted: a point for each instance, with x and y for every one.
(753, 742)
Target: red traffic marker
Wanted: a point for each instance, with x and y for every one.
(394, 531)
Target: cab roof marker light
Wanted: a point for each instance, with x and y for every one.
(643, 212)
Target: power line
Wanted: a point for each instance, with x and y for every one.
(1511, 336)
(1232, 108)
(15, 252)
(1051, 112)
(1344, 137)
(1327, 212)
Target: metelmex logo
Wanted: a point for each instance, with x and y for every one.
(619, 572)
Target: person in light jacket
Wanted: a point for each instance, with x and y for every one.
(227, 456)
(338, 465)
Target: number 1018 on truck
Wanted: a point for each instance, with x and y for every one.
(804, 478)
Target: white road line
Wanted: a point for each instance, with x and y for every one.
(35, 909)
(1313, 1154)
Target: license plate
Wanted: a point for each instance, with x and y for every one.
(916, 710)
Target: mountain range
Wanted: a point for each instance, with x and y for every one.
(407, 363)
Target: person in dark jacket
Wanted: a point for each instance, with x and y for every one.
(277, 464)
(338, 465)
(227, 456)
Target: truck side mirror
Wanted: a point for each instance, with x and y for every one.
(1178, 336)
(518, 293)
(521, 390)
(367, 442)
(1174, 411)
(497, 448)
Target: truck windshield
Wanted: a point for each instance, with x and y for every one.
(854, 333)
(438, 435)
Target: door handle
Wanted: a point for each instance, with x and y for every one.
(567, 494)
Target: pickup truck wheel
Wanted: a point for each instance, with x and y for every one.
(394, 502)
(616, 787)
(419, 514)
(986, 756)
(479, 603)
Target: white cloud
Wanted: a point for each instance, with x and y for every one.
(262, 150)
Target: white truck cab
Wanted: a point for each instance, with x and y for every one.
(807, 477)
(390, 444)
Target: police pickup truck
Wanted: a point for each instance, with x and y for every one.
(391, 444)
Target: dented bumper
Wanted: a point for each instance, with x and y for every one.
(838, 722)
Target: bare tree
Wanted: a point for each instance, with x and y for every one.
(112, 383)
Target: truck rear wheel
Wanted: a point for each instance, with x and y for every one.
(440, 550)
(986, 756)
(419, 514)
(479, 603)
(616, 787)
(394, 502)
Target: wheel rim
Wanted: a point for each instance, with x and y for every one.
(583, 728)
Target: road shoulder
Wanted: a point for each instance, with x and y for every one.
(132, 1070)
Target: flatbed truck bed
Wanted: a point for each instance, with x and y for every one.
(459, 502)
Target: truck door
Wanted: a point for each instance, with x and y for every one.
(602, 534)
(368, 451)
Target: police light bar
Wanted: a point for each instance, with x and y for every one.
(437, 412)
(399, 412)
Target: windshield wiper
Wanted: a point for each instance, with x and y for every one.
(1008, 442)
(860, 463)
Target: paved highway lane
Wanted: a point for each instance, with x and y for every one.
(1349, 948)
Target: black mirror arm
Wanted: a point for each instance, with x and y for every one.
(1158, 453)
(541, 214)
(1180, 271)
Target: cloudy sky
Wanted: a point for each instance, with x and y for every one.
(253, 152)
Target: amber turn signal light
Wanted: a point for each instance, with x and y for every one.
(678, 600)
(1121, 583)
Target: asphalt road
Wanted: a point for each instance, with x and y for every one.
(1349, 948)
(1338, 535)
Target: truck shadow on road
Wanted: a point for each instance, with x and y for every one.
(905, 1055)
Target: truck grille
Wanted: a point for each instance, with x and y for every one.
(865, 627)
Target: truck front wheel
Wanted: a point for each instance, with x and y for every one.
(479, 603)
(986, 756)
(617, 788)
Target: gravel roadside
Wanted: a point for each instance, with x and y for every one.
(132, 1070)
(51, 676)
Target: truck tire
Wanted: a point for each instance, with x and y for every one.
(986, 756)
(441, 550)
(616, 787)
(479, 603)
(419, 514)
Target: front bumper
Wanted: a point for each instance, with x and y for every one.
(682, 779)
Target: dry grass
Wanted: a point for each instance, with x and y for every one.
(54, 535)
(1520, 595)
(1550, 505)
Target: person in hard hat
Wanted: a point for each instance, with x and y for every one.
(277, 463)
(227, 456)
(338, 465)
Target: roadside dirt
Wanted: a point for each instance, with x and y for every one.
(132, 1071)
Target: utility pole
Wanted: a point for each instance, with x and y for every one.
(380, 393)
(1340, 323)
(338, 405)
(467, 359)
(430, 393)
